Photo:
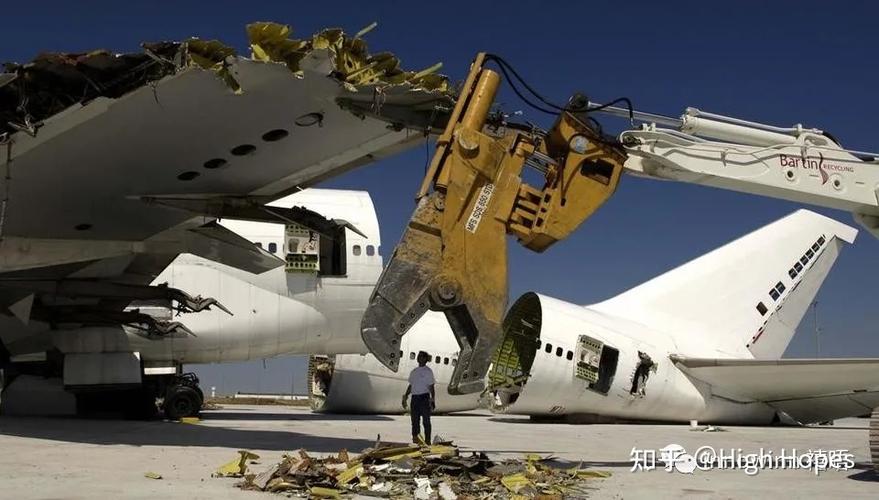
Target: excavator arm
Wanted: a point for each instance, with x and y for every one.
(452, 256)
(795, 163)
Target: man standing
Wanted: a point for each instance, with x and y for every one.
(421, 384)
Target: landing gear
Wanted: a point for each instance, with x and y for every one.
(182, 401)
(183, 398)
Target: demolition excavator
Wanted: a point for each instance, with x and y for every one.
(452, 256)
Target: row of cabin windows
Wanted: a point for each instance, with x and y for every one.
(273, 247)
(558, 351)
(357, 250)
(437, 360)
(370, 250)
(776, 291)
(810, 253)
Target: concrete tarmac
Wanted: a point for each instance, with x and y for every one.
(54, 458)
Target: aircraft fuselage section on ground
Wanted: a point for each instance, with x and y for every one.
(635, 378)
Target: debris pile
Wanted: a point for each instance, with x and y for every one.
(423, 472)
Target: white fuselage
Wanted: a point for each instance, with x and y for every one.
(359, 383)
(668, 394)
(278, 312)
(620, 359)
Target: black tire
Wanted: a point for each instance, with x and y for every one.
(182, 401)
(200, 397)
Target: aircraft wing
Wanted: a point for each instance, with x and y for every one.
(113, 164)
(808, 390)
(90, 144)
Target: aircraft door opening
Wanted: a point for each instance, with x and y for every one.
(596, 363)
(306, 252)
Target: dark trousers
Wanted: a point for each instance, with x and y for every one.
(419, 410)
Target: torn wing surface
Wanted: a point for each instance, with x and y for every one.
(809, 390)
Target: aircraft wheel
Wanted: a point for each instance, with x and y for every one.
(182, 401)
(200, 397)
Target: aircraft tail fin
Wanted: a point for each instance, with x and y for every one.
(751, 293)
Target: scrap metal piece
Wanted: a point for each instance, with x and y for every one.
(237, 467)
(139, 323)
(323, 492)
(79, 288)
(156, 328)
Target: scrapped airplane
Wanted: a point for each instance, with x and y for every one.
(359, 383)
(701, 342)
(313, 303)
(112, 166)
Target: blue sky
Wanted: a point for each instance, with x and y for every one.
(778, 62)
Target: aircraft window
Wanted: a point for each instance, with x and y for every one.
(761, 308)
(810, 254)
(273, 247)
(792, 273)
(548, 348)
(821, 240)
(258, 244)
(559, 351)
(356, 250)
(401, 354)
(798, 267)
(538, 345)
(773, 294)
(370, 250)
(437, 360)
(570, 355)
(780, 287)
(815, 247)
(411, 355)
(804, 260)
(445, 361)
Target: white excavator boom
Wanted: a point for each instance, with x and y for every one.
(798, 164)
